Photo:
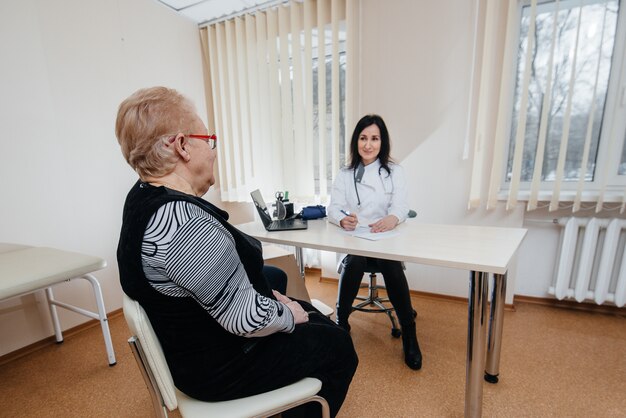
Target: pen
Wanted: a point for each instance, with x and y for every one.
(345, 212)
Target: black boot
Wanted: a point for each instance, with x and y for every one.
(412, 353)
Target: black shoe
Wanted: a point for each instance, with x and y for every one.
(412, 353)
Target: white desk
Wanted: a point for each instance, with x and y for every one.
(26, 269)
(481, 250)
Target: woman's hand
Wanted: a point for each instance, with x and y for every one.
(385, 224)
(280, 297)
(349, 223)
(300, 316)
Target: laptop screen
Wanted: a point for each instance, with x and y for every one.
(259, 203)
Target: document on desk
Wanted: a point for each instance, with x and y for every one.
(365, 233)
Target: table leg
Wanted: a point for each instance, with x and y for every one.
(496, 318)
(53, 314)
(300, 260)
(476, 335)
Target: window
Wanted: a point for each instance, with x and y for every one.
(568, 102)
(554, 128)
(281, 113)
(594, 24)
(329, 172)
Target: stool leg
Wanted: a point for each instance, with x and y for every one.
(373, 287)
(395, 331)
(376, 305)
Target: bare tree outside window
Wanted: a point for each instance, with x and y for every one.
(329, 107)
(596, 42)
(316, 116)
(313, 66)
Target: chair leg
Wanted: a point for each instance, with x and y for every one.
(155, 395)
(325, 407)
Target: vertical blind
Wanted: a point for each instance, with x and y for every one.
(274, 106)
(526, 175)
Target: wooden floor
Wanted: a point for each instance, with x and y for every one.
(555, 363)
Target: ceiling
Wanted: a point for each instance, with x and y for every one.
(202, 11)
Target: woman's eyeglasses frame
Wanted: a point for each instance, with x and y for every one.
(209, 139)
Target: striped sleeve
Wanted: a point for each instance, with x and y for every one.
(201, 261)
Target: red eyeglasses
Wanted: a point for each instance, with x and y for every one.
(209, 139)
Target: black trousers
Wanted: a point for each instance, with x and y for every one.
(354, 266)
(318, 348)
(276, 278)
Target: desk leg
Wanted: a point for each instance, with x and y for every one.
(476, 335)
(300, 260)
(53, 314)
(496, 318)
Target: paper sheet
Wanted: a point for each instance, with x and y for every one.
(364, 232)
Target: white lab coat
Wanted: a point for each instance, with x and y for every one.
(381, 194)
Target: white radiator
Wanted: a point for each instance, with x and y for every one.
(592, 264)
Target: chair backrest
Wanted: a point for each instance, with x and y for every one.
(140, 326)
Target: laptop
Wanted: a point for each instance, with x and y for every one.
(275, 225)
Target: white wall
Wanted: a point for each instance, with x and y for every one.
(66, 66)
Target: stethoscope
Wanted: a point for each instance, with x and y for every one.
(357, 175)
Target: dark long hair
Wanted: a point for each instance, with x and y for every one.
(385, 144)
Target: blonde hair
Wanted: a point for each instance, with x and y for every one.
(145, 122)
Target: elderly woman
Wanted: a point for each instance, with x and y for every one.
(224, 332)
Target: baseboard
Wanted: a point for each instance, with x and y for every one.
(46, 342)
(570, 304)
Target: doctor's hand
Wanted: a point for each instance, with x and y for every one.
(385, 224)
(300, 316)
(349, 223)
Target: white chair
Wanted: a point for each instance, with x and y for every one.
(165, 396)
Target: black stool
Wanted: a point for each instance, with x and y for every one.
(373, 302)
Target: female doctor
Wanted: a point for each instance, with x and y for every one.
(371, 192)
